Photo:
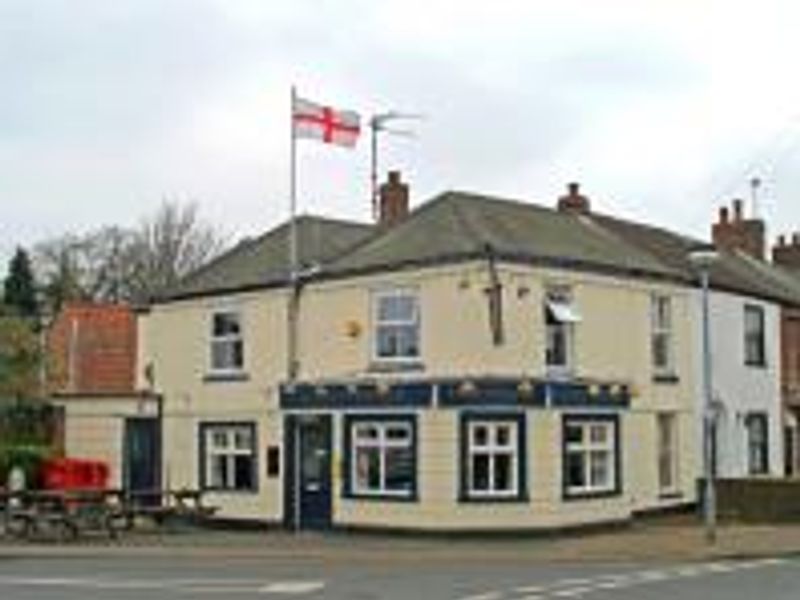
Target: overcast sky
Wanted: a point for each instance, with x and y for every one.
(660, 109)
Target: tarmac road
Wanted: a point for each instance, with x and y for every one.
(218, 578)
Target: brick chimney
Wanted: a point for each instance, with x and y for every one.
(574, 201)
(739, 233)
(393, 201)
(787, 252)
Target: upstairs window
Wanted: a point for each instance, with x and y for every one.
(227, 343)
(754, 343)
(661, 331)
(560, 318)
(396, 325)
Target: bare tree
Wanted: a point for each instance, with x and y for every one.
(168, 246)
(115, 264)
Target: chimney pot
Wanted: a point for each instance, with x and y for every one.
(573, 188)
(796, 239)
(723, 214)
(394, 177)
(737, 210)
(781, 241)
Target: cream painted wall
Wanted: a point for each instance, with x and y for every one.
(94, 428)
(613, 342)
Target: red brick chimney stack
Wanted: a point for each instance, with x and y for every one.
(393, 200)
(739, 233)
(787, 252)
(574, 201)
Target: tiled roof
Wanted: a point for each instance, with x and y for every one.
(459, 226)
(462, 225)
(264, 261)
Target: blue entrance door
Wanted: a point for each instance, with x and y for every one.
(308, 469)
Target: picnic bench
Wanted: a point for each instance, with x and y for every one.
(67, 513)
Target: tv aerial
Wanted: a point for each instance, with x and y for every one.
(378, 123)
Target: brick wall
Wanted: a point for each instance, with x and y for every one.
(790, 355)
(738, 232)
(92, 349)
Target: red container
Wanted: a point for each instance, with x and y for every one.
(74, 474)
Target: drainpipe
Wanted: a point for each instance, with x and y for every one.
(494, 294)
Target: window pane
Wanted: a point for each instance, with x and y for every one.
(227, 354)
(397, 308)
(243, 439)
(502, 435)
(366, 432)
(219, 439)
(480, 435)
(226, 323)
(600, 469)
(480, 472)
(574, 434)
(598, 434)
(218, 472)
(557, 350)
(399, 469)
(503, 474)
(661, 357)
(243, 472)
(368, 469)
(397, 433)
(576, 470)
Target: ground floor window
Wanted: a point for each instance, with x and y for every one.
(493, 456)
(757, 443)
(228, 456)
(667, 441)
(381, 453)
(591, 455)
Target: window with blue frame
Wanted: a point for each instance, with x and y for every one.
(493, 457)
(380, 456)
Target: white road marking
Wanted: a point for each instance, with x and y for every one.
(292, 587)
(493, 595)
(578, 587)
(195, 586)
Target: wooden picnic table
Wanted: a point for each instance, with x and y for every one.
(70, 512)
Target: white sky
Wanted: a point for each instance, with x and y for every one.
(661, 110)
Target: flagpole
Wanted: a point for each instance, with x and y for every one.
(292, 193)
(294, 298)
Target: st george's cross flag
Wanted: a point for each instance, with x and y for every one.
(332, 126)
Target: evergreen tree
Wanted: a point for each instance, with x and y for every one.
(20, 286)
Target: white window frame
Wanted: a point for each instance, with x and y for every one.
(667, 452)
(586, 447)
(231, 338)
(659, 328)
(382, 443)
(377, 297)
(492, 449)
(229, 451)
(560, 295)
